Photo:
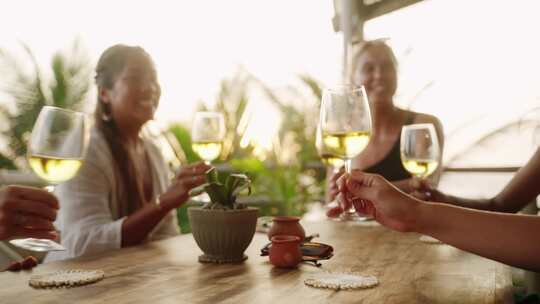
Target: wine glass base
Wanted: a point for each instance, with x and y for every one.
(353, 217)
(40, 245)
(347, 216)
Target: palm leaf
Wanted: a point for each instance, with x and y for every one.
(28, 92)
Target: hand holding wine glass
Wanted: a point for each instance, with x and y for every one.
(56, 151)
(345, 123)
(420, 152)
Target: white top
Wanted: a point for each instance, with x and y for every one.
(89, 218)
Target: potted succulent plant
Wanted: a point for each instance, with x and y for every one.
(223, 228)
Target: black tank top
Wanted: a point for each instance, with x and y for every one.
(390, 167)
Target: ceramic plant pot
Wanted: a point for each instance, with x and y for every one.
(223, 235)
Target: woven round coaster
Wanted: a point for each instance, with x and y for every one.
(429, 240)
(341, 281)
(66, 278)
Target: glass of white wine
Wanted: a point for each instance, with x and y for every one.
(55, 153)
(345, 123)
(207, 134)
(420, 151)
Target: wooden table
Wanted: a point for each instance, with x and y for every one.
(168, 272)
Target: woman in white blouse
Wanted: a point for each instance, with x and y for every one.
(122, 195)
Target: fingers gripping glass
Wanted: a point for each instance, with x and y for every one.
(345, 123)
(56, 151)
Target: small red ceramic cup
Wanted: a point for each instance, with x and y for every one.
(285, 251)
(287, 225)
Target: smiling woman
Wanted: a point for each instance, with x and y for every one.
(123, 194)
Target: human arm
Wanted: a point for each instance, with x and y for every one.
(138, 225)
(520, 191)
(507, 238)
(92, 213)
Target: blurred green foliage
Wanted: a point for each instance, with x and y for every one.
(28, 88)
(291, 175)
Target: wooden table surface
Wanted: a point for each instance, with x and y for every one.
(167, 271)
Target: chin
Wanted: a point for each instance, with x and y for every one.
(143, 118)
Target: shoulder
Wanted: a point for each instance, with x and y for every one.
(418, 117)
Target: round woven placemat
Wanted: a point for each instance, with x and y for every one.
(341, 281)
(66, 278)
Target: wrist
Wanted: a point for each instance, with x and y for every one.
(424, 217)
(162, 205)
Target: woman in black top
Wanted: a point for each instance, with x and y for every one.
(375, 67)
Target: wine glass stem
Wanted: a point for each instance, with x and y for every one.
(348, 162)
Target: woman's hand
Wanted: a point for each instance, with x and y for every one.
(189, 177)
(27, 212)
(373, 195)
(423, 190)
(333, 190)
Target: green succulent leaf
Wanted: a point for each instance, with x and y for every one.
(212, 175)
(217, 193)
(223, 194)
(241, 182)
(197, 190)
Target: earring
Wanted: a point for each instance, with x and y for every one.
(106, 115)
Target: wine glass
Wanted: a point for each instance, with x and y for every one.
(420, 152)
(207, 134)
(55, 153)
(345, 123)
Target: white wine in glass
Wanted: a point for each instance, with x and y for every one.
(207, 150)
(345, 123)
(328, 158)
(54, 170)
(55, 153)
(420, 151)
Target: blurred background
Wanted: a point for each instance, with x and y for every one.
(472, 63)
